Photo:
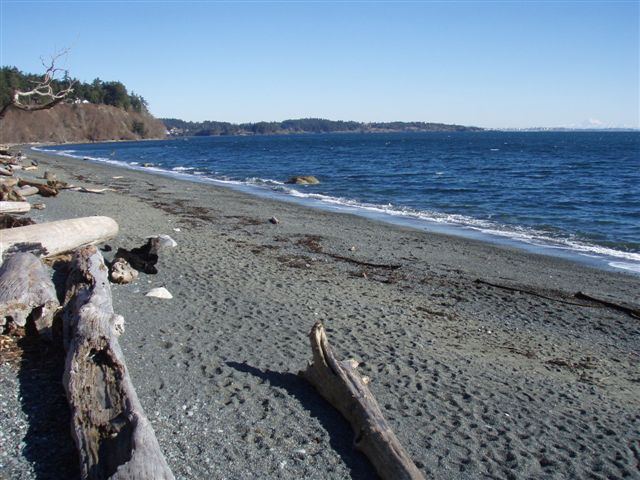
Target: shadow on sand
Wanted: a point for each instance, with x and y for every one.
(340, 434)
(48, 443)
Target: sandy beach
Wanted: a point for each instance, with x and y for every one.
(480, 356)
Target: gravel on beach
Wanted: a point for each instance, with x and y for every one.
(480, 356)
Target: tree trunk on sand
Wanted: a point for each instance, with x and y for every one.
(113, 435)
(53, 238)
(26, 290)
(340, 384)
(14, 207)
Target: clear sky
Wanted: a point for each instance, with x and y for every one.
(491, 64)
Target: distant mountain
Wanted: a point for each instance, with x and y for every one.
(178, 127)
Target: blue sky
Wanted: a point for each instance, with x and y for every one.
(491, 64)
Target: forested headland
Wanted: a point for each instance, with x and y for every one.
(178, 127)
(96, 111)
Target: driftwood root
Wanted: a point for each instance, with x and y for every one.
(341, 385)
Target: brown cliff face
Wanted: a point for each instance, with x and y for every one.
(78, 123)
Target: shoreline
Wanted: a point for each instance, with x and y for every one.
(593, 255)
(476, 380)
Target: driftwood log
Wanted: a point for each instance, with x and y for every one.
(9, 181)
(8, 194)
(43, 189)
(26, 291)
(113, 435)
(53, 238)
(340, 384)
(14, 207)
(25, 191)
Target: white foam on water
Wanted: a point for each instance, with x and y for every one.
(629, 261)
(632, 267)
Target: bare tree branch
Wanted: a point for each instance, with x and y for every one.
(43, 95)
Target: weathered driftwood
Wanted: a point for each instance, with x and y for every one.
(113, 435)
(53, 238)
(14, 207)
(26, 290)
(91, 190)
(44, 190)
(8, 194)
(8, 181)
(121, 272)
(340, 384)
(26, 191)
(142, 258)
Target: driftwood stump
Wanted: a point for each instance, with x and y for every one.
(26, 290)
(340, 384)
(113, 435)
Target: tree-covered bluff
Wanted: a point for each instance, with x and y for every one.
(178, 127)
(96, 111)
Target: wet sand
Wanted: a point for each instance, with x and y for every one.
(477, 380)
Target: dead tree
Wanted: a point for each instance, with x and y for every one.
(43, 95)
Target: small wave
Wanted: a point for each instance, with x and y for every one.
(263, 181)
(518, 234)
(632, 267)
(182, 169)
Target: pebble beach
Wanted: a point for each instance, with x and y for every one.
(482, 358)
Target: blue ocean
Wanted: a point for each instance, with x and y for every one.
(570, 194)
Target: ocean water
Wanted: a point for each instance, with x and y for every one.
(570, 194)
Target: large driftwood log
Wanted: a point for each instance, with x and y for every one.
(14, 207)
(53, 238)
(26, 290)
(340, 384)
(112, 433)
